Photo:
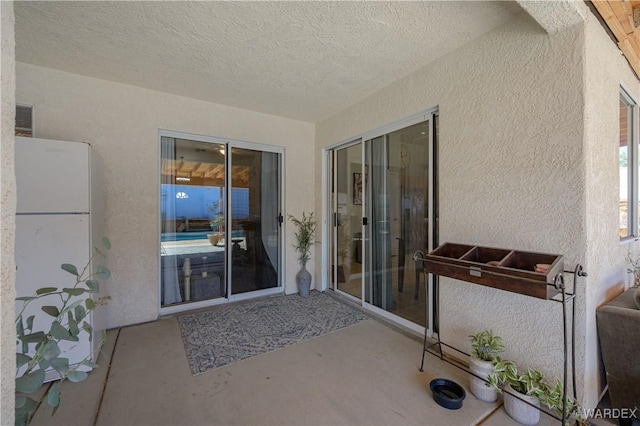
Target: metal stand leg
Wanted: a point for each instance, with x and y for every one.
(426, 347)
(416, 289)
(401, 261)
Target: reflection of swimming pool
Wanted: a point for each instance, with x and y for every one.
(187, 236)
(184, 236)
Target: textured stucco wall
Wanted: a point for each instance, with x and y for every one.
(122, 122)
(7, 214)
(606, 69)
(511, 171)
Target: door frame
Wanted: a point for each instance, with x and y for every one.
(332, 230)
(229, 144)
(328, 228)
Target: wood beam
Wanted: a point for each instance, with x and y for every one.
(618, 16)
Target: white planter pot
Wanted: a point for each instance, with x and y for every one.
(521, 411)
(481, 368)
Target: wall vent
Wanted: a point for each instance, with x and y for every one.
(24, 120)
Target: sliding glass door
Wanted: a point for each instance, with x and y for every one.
(397, 207)
(382, 200)
(346, 269)
(220, 222)
(255, 220)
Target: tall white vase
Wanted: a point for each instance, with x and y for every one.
(479, 388)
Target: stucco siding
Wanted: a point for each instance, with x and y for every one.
(7, 215)
(121, 122)
(511, 172)
(606, 70)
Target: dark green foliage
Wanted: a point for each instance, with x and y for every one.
(533, 383)
(305, 237)
(485, 345)
(39, 349)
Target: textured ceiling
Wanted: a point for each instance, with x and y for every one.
(303, 60)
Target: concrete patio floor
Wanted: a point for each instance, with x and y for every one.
(363, 374)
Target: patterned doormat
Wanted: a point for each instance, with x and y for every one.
(230, 333)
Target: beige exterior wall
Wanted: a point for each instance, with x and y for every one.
(7, 215)
(528, 160)
(121, 122)
(519, 168)
(606, 70)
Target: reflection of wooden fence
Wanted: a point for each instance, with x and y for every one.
(624, 214)
(624, 218)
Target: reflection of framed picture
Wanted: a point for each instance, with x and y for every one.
(357, 188)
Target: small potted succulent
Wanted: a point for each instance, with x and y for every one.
(485, 349)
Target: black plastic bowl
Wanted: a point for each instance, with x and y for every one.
(447, 393)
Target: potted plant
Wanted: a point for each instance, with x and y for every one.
(216, 223)
(552, 398)
(529, 386)
(305, 239)
(634, 268)
(485, 348)
(533, 388)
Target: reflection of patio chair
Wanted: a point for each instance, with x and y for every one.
(205, 272)
(249, 228)
(257, 261)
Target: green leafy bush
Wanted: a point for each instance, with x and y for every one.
(634, 268)
(485, 345)
(533, 383)
(39, 350)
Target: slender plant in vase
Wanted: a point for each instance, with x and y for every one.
(305, 239)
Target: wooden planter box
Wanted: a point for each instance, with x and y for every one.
(508, 270)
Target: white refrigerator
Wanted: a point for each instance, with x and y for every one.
(58, 220)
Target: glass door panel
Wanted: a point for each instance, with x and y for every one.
(397, 188)
(191, 221)
(219, 221)
(254, 220)
(377, 232)
(347, 254)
